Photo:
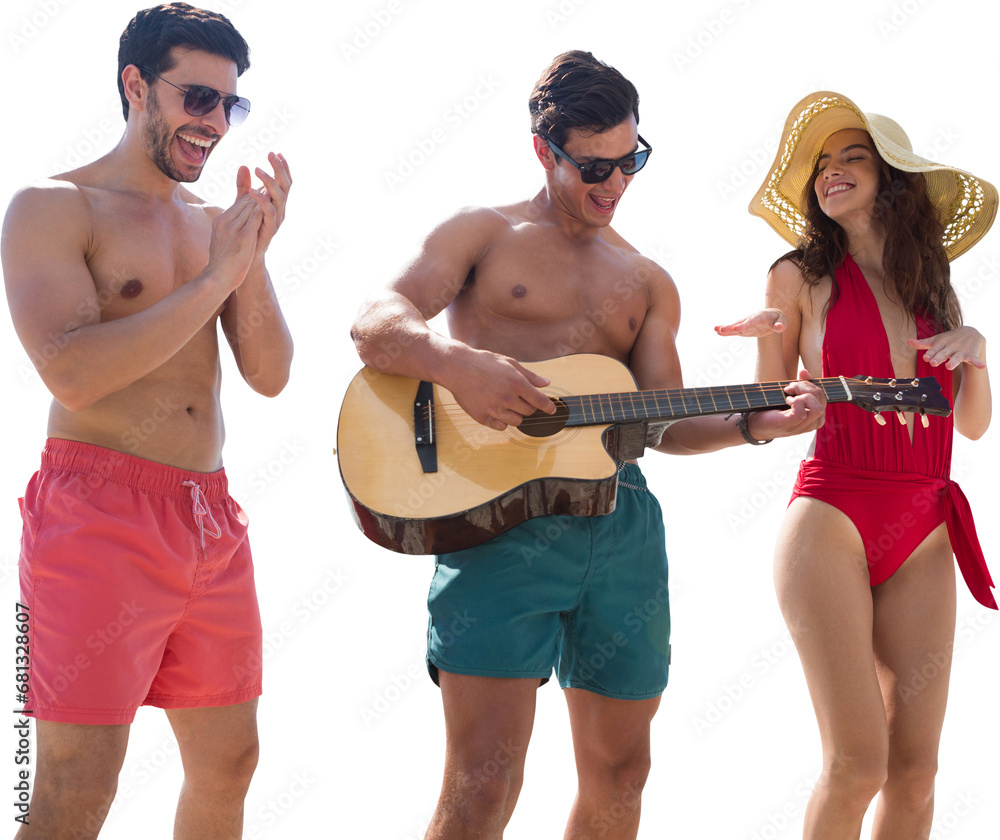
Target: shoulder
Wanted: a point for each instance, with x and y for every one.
(470, 230)
(49, 206)
(786, 276)
(644, 271)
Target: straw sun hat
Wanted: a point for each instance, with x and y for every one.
(966, 204)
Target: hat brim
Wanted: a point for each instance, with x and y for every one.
(967, 205)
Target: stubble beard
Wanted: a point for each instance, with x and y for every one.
(159, 139)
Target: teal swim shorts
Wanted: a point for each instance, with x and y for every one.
(586, 595)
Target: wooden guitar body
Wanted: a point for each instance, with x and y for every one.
(486, 481)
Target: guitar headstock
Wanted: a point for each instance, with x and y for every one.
(922, 395)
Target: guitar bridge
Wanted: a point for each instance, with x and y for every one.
(424, 438)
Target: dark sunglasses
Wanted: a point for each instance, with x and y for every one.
(200, 100)
(596, 171)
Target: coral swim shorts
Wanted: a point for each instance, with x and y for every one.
(139, 586)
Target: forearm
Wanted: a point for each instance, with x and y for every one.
(86, 364)
(703, 434)
(257, 333)
(973, 407)
(392, 336)
(771, 366)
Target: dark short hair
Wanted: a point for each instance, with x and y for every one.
(153, 33)
(578, 91)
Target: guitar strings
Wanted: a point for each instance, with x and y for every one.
(683, 398)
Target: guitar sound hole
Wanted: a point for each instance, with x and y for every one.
(541, 424)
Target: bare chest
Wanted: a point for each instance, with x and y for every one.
(534, 302)
(139, 256)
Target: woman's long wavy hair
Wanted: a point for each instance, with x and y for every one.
(914, 260)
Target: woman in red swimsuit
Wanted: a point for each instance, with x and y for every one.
(863, 564)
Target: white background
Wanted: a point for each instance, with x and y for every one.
(348, 91)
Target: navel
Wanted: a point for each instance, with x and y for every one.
(131, 289)
(632, 324)
(519, 291)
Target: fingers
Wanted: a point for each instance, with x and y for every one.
(760, 324)
(242, 181)
(952, 348)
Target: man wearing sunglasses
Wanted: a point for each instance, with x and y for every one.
(135, 569)
(543, 278)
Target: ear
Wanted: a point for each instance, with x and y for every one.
(136, 89)
(544, 153)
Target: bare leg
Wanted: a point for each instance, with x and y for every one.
(78, 767)
(488, 723)
(823, 587)
(914, 637)
(611, 743)
(218, 748)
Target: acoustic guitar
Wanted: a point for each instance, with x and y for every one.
(423, 477)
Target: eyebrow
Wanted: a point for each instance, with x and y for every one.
(850, 148)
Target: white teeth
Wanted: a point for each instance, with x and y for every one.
(838, 188)
(196, 141)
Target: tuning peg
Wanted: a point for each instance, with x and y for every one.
(925, 421)
(880, 419)
(901, 417)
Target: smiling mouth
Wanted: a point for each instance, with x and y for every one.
(838, 188)
(605, 204)
(194, 147)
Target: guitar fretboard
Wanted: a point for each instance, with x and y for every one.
(677, 403)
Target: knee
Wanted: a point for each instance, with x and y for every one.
(482, 794)
(912, 785)
(229, 771)
(621, 780)
(856, 780)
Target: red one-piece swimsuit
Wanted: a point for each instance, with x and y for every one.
(894, 491)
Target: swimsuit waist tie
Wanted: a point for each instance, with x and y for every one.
(199, 507)
(965, 544)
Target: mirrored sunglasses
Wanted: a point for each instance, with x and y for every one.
(200, 100)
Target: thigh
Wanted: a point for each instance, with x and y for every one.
(914, 637)
(212, 739)
(488, 722)
(821, 578)
(608, 731)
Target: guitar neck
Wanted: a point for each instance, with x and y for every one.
(678, 403)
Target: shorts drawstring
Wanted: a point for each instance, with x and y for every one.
(199, 507)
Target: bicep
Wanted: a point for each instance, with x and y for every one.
(50, 289)
(654, 360)
(447, 257)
